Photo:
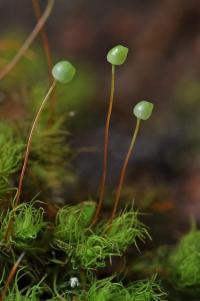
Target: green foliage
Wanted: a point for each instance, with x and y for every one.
(99, 290)
(106, 290)
(4, 219)
(110, 240)
(29, 293)
(125, 230)
(31, 68)
(28, 222)
(11, 156)
(51, 155)
(146, 290)
(92, 251)
(72, 221)
(185, 262)
(151, 262)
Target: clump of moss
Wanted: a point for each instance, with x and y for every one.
(185, 261)
(72, 221)
(91, 248)
(28, 222)
(125, 230)
(92, 252)
(107, 290)
(146, 290)
(111, 240)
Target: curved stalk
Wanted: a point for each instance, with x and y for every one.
(44, 37)
(30, 141)
(26, 156)
(11, 275)
(105, 156)
(28, 41)
(123, 170)
(47, 52)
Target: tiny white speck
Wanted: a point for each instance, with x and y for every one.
(74, 282)
(72, 113)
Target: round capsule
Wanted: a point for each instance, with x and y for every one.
(143, 110)
(117, 55)
(63, 72)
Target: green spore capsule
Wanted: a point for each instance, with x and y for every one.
(63, 72)
(143, 110)
(117, 55)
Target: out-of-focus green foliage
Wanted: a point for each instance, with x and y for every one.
(185, 262)
(11, 148)
(50, 158)
(31, 67)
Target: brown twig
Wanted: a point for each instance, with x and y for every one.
(28, 41)
(123, 170)
(11, 275)
(105, 158)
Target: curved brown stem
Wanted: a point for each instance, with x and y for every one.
(30, 141)
(47, 51)
(123, 170)
(26, 156)
(28, 41)
(44, 36)
(11, 275)
(105, 158)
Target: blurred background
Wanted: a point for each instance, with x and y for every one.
(163, 66)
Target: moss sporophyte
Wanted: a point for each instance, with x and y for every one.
(63, 72)
(58, 258)
(142, 111)
(116, 56)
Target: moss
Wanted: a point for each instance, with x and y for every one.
(28, 222)
(11, 156)
(72, 221)
(147, 290)
(125, 230)
(185, 261)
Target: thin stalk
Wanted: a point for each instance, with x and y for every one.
(47, 51)
(28, 41)
(55, 289)
(123, 170)
(44, 37)
(11, 275)
(105, 155)
(26, 156)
